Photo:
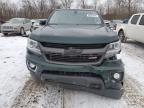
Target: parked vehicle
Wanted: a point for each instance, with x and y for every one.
(109, 24)
(125, 21)
(16, 25)
(133, 30)
(116, 22)
(77, 50)
(37, 23)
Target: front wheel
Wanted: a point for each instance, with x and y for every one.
(122, 36)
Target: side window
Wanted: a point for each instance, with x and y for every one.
(142, 21)
(135, 19)
(24, 21)
(27, 21)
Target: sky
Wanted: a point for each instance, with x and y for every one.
(73, 5)
(15, 1)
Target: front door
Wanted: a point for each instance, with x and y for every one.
(141, 30)
(131, 30)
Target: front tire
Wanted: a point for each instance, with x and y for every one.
(122, 36)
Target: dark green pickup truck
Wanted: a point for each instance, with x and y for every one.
(77, 50)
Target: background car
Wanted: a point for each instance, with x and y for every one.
(125, 21)
(36, 23)
(16, 25)
(116, 22)
(109, 24)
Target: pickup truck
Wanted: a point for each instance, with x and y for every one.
(133, 30)
(78, 51)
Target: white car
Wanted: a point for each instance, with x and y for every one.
(133, 30)
(109, 24)
(16, 25)
(36, 23)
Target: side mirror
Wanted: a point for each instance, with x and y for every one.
(42, 23)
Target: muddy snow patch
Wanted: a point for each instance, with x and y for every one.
(39, 95)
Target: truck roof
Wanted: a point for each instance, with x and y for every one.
(138, 14)
(77, 9)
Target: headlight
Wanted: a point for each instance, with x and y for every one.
(113, 49)
(33, 46)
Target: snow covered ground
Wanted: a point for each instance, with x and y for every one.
(18, 90)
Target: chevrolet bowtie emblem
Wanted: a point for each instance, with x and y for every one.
(72, 51)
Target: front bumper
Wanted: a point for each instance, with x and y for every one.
(10, 31)
(97, 79)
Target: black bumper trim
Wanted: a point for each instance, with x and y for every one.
(94, 85)
(79, 81)
(110, 93)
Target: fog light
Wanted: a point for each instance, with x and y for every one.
(116, 76)
(33, 66)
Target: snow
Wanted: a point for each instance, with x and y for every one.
(17, 89)
(13, 73)
(79, 99)
(133, 58)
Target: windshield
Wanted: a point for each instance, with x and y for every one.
(36, 21)
(16, 20)
(75, 17)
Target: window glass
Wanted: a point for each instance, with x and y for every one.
(142, 21)
(76, 17)
(27, 21)
(135, 19)
(16, 20)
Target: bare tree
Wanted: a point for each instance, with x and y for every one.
(100, 9)
(37, 8)
(115, 9)
(7, 10)
(119, 3)
(95, 2)
(130, 2)
(83, 4)
(109, 4)
(54, 4)
(67, 3)
(132, 6)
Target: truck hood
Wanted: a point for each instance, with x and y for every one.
(74, 34)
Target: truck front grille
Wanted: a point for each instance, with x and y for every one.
(79, 54)
(7, 27)
(83, 58)
(76, 46)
